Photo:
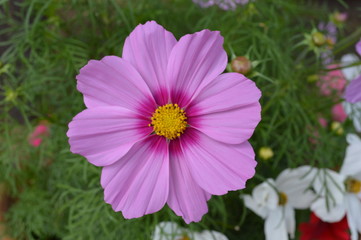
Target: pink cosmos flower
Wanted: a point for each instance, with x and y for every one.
(338, 113)
(165, 124)
(332, 82)
(36, 137)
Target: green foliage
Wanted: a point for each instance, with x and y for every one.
(58, 194)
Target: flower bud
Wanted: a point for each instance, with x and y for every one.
(313, 78)
(10, 95)
(265, 153)
(337, 128)
(241, 65)
(318, 38)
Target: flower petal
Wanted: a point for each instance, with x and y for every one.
(227, 109)
(194, 61)
(186, 198)
(353, 210)
(358, 47)
(138, 184)
(353, 91)
(115, 82)
(350, 73)
(215, 166)
(105, 134)
(296, 183)
(352, 164)
(265, 194)
(275, 226)
(290, 220)
(251, 204)
(148, 48)
(167, 231)
(330, 184)
(209, 235)
(328, 211)
(354, 113)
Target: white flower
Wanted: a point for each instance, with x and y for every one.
(351, 169)
(275, 201)
(340, 193)
(353, 111)
(171, 231)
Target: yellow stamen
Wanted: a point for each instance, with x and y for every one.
(282, 199)
(169, 121)
(353, 185)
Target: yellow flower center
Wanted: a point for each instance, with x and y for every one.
(282, 199)
(353, 185)
(185, 237)
(169, 121)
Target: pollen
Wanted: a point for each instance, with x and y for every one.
(282, 199)
(169, 121)
(353, 185)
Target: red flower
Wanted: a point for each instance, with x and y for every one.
(316, 229)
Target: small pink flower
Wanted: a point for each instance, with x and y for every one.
(340, 17)
(36, 137)
(332, 82)
(165, 124)
(338, 113)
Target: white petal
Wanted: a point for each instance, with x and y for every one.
(352, 164)
(350, 73)
(353, 208)
(167, 231)
(352, 228)
(353, 111)
(209, 235)
(327, 211)
(265, 195)
(275, 225)
(329, 184)
(296, 183)
(290, 220)
(261, 211)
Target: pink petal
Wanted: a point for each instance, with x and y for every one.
(148, 48)
(353, 91)
(138, 184)
(333, 82)
(217, 167)
(35, 142)
(105, 134)
(358, 47)
(41, 129)
(338, 113)
(194, 61)
(115, 82)
(227, 109)
(186, 198)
